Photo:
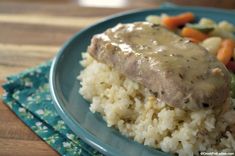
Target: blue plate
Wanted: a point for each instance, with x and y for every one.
(71, 106)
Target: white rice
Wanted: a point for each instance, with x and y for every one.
(136, 113)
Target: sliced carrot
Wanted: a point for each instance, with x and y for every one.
(172, 22)
(225, 53)
(193, 33)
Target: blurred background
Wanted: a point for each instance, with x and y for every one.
(228, 4)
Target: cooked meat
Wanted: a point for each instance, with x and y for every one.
(180, 73)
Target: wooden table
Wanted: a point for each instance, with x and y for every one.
(31, 33)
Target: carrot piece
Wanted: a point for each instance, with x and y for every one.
(174, 21)
(225, 53)
(193, 33)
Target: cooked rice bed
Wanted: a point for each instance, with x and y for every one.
(137, 113)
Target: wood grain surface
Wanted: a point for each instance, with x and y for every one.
(31, 32)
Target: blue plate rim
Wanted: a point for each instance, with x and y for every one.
(90, 139)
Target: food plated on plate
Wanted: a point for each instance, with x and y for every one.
(166, 82)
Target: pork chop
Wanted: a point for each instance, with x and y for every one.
(179, 72)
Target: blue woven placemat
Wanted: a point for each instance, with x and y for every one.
(27, 95)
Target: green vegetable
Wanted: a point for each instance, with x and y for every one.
(232, 85)
(222, 33)
(202, 28)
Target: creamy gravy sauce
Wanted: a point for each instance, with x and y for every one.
(172, 56)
